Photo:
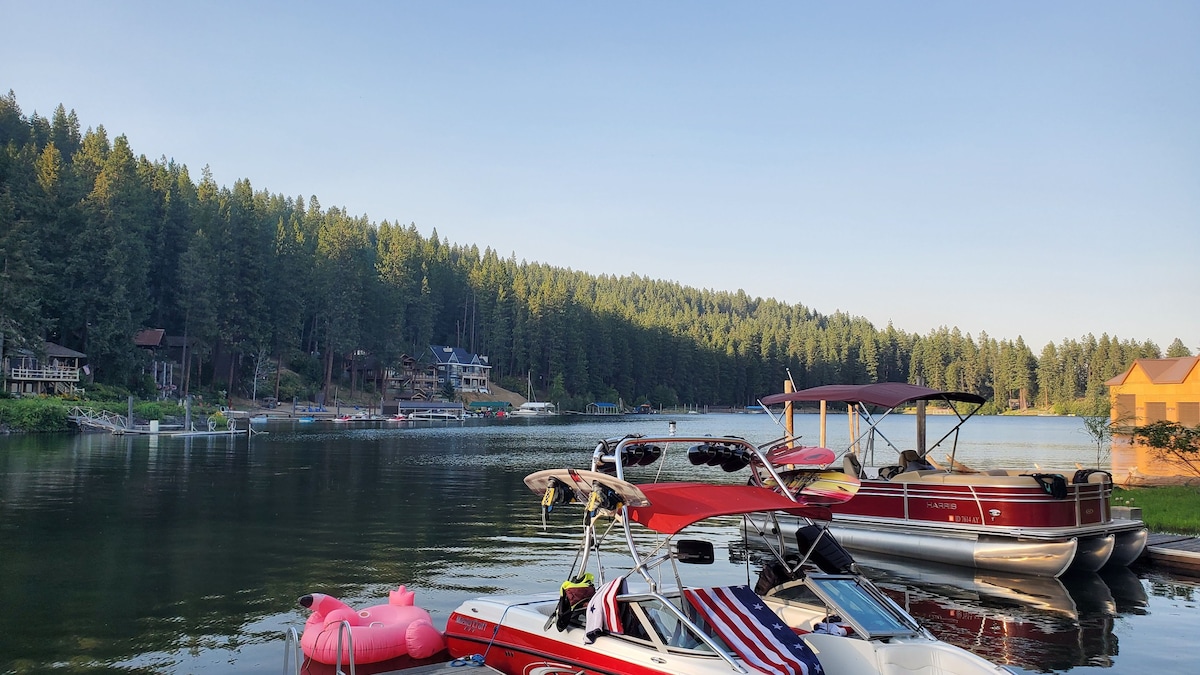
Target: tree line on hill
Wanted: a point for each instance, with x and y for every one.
(97, 242)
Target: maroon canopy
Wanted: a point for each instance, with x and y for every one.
(886, 394)
(674, 506)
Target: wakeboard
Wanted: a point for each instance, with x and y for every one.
(817, 487)
(598, 492)
(812, 456)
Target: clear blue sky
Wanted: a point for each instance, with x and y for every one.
(1019, 168)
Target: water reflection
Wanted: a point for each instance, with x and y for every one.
(1036, 623)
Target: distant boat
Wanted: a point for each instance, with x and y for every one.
(534, 409)
(435, 415)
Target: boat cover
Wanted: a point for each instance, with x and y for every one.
(674, 506)
(885, 394)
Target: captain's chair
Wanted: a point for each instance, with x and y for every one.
(851, 466)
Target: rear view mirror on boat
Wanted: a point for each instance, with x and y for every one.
(693, 551)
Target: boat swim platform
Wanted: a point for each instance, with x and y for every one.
(1177, 551)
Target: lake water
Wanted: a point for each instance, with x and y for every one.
(172, 555)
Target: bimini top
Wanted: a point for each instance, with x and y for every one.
(674, 506)
(885, 394)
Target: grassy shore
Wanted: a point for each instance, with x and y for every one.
(1173, 509)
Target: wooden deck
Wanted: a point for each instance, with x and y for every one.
(1174, 550)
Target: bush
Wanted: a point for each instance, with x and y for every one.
(107, 392)
(157, 410)
(34, 414)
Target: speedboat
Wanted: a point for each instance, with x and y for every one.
(1011, 520)
(624, 607)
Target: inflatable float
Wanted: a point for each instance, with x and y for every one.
(378, 633)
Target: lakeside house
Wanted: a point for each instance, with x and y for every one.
(1153, 390)
(59, 373)
(465, 372)
(426, 378)
(1157, 390)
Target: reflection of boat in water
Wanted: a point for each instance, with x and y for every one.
(1028, 522)
(1036, 623)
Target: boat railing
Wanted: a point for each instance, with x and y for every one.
(291, 652)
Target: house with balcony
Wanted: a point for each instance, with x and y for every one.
(57, 374)
(464, 371)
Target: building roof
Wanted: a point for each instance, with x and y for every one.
(1160, 371)
(429, 405)
(491, 405)
(53, 350)
(149, 337)
(446, 355)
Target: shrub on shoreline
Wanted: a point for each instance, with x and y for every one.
(33, 415)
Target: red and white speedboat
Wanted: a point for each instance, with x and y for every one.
(1015, 520)
(625, 608)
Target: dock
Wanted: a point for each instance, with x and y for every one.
(1177, 551)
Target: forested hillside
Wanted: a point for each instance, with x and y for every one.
(97, 242)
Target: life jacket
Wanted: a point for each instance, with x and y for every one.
(573, 598)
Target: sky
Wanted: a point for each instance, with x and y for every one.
(1017, 168)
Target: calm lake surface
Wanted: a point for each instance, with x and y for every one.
(172, 555)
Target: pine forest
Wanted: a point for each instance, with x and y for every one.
(97, 242)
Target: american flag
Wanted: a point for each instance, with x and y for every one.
(603, 613)
(740, 618)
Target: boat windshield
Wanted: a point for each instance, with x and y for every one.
(643, 614)
(856, 605)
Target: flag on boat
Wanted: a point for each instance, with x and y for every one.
(741, 618)
(603, 614)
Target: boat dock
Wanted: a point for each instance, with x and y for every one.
(1174, 550)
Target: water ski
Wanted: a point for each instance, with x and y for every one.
(581, 483)
(802, 456)
(818, 488)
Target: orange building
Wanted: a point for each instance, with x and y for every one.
(1153, 390)
(1157, 390)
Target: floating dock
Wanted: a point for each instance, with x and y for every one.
(1177, 551)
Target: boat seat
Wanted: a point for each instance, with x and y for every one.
(851, 466)
(912, 461)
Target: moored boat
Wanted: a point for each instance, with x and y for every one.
(632, 613)
(534, 409)
(1013, 520)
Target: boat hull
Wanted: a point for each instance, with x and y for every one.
(511, 633)
(1008, 522)
(1045, 553)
